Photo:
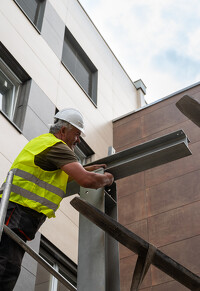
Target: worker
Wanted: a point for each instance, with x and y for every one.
(41, 172)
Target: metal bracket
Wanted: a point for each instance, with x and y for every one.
(142, 265)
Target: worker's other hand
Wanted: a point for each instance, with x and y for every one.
(110, 178)
(95, 167)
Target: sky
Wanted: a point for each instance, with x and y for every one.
(154, 40)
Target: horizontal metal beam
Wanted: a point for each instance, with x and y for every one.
(38, 258)
(147, 155)
(137, 244)
(142, 157)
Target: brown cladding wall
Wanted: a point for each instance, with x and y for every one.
(162, 205)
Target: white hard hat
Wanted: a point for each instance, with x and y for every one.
(73, 116)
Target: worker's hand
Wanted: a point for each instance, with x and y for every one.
(94, 167)
(110, 178)
(85, 178)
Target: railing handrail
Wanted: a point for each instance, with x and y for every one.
(4, 200)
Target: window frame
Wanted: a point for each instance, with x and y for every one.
(59, 262)
(13, 79)
(39, 14)
(85, 61)
(23, 93)
(83, 152)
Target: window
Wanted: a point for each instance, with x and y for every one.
(9, 89)
(83, 152)
(68, 269)
(34, 10)
(13, 88)
(80, 66)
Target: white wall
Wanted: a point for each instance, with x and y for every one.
(11, 143)
(116, 93)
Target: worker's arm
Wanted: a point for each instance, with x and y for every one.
(94, 167)
(85, 178)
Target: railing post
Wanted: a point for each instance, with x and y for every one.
(4, 200)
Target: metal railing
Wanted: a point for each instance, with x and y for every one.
(4, 200)
(147, 254)
(14, 236)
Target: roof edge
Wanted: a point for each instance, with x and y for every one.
(157, 101)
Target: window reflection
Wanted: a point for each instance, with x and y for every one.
(9, 87)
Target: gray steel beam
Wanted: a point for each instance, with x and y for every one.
(98, 252)
(145, 156)
(137, 244)
(112, 246)
(142, 157)
(91, 247)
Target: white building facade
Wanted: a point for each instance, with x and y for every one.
(53, 57)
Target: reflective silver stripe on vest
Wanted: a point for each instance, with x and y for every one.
(32, 196)
(2, 188)
(29, 177)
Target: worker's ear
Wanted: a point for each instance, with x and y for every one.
(63, 133)
(63, 130)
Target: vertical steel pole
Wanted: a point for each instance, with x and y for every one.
(91, 253)
(5, 199)
(112, 246)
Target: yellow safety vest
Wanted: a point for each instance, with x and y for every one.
(33, 187)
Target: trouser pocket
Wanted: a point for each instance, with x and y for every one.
(24, 222)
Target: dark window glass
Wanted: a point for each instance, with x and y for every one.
(34, 10)
(80, 66)
(83, 152)
(44, 280)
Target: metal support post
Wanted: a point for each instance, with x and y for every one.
(4, 200)
(112, 246)
(91, 252)
(98, 255)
